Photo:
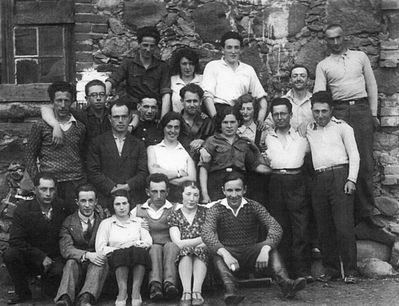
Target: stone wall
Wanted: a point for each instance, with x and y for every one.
(278, 34)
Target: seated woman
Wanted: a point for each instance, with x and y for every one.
(185, 231)
(184, 69)
(228, 152)
(170, 158)
(125, 242)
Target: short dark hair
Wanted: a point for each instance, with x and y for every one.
(322, 97)
(232, 176)
(44, 176)
(245, 98)
(189, 54)
(149, 31)
(333, 26)
(231, 35)
(122, 101)
(119, 193)
(299, 66)
(157, 178)
(169, 117)
(183, 186)
(93, 83)
(63, 87)
(221, 115)
(85, 188)
(194, 88)
(281, 101)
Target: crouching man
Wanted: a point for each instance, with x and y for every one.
(77, 241)
(231, 231)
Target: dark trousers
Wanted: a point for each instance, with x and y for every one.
(287, 204)
(22, 264)
(358, 116)
(334, 215)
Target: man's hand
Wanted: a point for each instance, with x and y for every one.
(120, 187)
(349, 187)
(205, 157)
(230, 261)
(376, 122)
(302, 129)
(206, 198)
(95, 258)
(260, 125)
(58, 136)
(196, 144)
(47, 262)
(263, 258)
(144, 224)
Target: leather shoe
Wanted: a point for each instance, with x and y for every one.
(86, 299)
(155, 291)
(170, 290)
(291, 287)
(16, 298)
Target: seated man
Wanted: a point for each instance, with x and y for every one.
(33, 241)
(231, 232)
(78, 236)
(163, 251)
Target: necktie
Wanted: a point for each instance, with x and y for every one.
(89, 230)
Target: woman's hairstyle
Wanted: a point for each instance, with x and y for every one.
(189, 54)
(246, 98)
(183, 186)
(169, 117)
(220, 117)
(119, 193)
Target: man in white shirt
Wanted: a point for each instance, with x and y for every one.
(286, 151)
(336, 162)
(227, 79)
(163, 252)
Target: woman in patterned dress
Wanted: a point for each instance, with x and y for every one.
(185, 231)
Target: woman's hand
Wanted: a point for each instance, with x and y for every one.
(140, 244)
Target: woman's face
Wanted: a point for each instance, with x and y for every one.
(247, 111)
(121, 206)
(229, 125)
(191, 196)
(172, 130)
(186, 68)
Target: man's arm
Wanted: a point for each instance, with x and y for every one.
(209, 230)
(47, 113)
(138, 179)
(32, 149)
(117, 76)
(67, 247)
(371, 86)
(164, 89)
(262, 111)
(348, 138)
(274, 230)
(165, 104)
(320, 83)
(209, 82)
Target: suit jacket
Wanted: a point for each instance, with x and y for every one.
(72, 243)
(106, 168)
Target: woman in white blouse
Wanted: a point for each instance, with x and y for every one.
(125, 242)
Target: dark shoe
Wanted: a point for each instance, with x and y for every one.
(156, 291)
(86, 299)
(316, 254)
(350, 279)
(170, 290)
(291, 287)
(16, 298)
(324, 278)
(231, 297)
(309, 278)
(197, 299)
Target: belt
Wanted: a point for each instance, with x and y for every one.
(325, 169)
(351, 102)
(287, 171)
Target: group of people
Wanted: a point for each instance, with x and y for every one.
(116, 185)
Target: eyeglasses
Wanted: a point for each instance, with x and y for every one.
(95, 95)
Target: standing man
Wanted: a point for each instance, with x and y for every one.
(286, 151)
(336, 162)
(83, 265)
(145, 75)
(231, 233)
(64, 161)
(116, 159)
(348, 76)
(155, 211)
(33, 241)
(227, 79)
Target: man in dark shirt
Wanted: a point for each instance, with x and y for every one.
(231, 233)
(33, 246)
(145, 75)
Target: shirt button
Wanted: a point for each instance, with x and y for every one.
(143, 138)
(144, 130)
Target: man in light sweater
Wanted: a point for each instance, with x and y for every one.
(231, 233)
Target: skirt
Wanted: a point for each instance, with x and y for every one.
(130, 257)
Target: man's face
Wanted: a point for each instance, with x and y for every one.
(147, 47)
(157, 193)
(45, 192)
(119, 118)
(335, 40)
(229, 125)
(191, 103)
(86, 202)
(148, 109)
(62, 104)
(281, 116)
(234, 191)
(231, 51)
(299, 78)
(322, 113)
(96, 97)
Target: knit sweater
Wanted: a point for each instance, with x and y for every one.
(223, 230)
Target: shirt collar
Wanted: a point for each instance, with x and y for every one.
(136, 59)
(251, 127)
(167, 205)
(195, 80)
(115, 220)
(84, 218)
(291, 132)
(179, 145)
(117, 138)
(290, 96)
(70, 120)
(226, 204)
(315, 126)
(226, 64)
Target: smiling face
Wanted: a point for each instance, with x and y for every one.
(234, 191)
(299, 78)
(322, 113)
(247, 111)
(86, 202)
(121, 206)
(335, 40)
(96, 97)
(172, 130)
(187, 68)
(62, 104)
(119, 118)
(231, 51)
(191, 195)
(191, 103)
(229, 125)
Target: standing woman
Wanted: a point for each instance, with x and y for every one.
(125, 242)
(185, 69)
(185, 231)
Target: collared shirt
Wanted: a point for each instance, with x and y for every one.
(119, 143)
(301, 110)
(344, 75)
(333, 145)
(66, 125)
(84, 220)
(235, 213)
(171, 158)
(48, 214)
(154, 214)
(153, 81)
(288, 156)
(248, 132)
(224, 84)
(148, 132)
(176, 83)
